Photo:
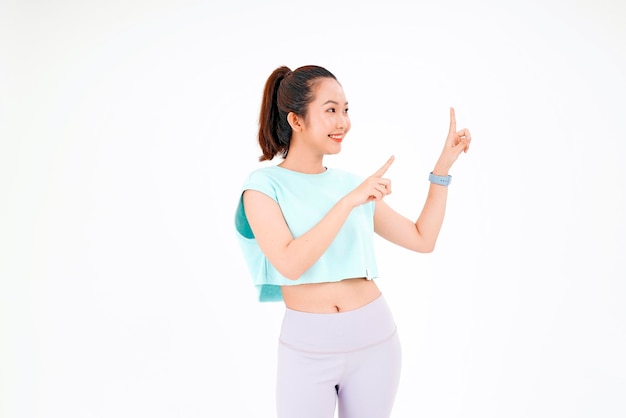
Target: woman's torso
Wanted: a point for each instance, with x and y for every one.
(331, 297)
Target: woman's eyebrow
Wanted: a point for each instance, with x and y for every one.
(333, 102)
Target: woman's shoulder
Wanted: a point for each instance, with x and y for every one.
(263, 173)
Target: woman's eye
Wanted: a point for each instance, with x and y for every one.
(346, 110)
(331, 110)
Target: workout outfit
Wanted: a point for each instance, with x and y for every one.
(352, 357)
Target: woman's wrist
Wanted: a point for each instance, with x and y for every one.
(346, 203)
(441, 169)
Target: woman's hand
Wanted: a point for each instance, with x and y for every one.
(456, 142)
(373, 188)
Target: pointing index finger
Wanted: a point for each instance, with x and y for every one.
(452, 121)
(381, 171)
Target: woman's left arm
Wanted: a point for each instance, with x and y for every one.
(422, 234)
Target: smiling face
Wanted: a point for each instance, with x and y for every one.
(327, 122)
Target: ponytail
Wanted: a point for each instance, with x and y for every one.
(274, 130)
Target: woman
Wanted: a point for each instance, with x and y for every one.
(306, 232)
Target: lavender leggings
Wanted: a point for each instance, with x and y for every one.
(349, 358)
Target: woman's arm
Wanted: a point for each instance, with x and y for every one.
(421, 235)
(293, 256)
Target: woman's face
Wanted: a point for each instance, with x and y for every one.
(327, 121)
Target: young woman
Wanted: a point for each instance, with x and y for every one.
(306, 231)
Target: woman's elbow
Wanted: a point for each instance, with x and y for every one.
(424, 247)
(425, 242)
(428, 249)
(291, 276)
(290, 272)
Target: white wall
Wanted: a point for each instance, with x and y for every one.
(127, 127)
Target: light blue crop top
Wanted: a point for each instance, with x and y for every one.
(304, 200)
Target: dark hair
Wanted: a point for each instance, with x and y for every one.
(285, 91)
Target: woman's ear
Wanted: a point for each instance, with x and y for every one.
(294, 122)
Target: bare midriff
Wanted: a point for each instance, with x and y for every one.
(333, 297)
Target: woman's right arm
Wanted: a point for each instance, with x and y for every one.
(293, 256)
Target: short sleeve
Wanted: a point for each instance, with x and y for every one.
(262, 182)
(258, 181)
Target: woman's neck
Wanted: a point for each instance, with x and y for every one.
(310, 165)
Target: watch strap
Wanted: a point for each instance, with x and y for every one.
(441, 180)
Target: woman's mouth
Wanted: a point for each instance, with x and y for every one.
(336, 138)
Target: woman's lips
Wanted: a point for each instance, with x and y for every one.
(336, 138)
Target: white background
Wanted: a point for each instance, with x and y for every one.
(127, 128)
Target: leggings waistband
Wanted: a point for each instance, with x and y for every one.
(338, 332)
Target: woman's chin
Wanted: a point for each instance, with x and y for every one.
(335, 150)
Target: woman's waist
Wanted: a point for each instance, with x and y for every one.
(338, 332)
(330, 297)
